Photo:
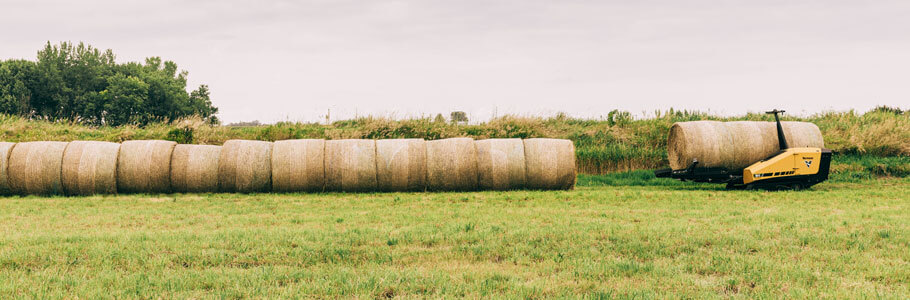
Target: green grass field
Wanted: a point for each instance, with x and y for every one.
(616, 236)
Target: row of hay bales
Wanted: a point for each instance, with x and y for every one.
(309, 165)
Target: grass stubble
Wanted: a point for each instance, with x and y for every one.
(619, 236)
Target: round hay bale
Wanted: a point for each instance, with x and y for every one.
(194, 168)
(550, 164)
(501, 164)
(245, 167)
(734, 145)
(753, 140)
(802, 134)
(90, 168)
(298, 166)
(401, 165)
(34, 168)
(5, 149)
(350, 165)
(144, 166)
(451, 165)
(710, 139)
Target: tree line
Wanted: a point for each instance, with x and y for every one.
(86, 85)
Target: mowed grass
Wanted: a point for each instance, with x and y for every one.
(839, 239)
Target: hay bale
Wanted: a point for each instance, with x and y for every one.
(34, 168)
(762, 140)
(802, 134)
(550, 164)
(709, 140)
(245, 167)
(451, 165)
(734, 145)
(500, 164)
(401, 165)
(350, 165)
(194, 168)
(90, 168)
(298, 166)
(5, 149)
(144, 166)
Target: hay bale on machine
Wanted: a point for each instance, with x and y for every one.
(350, 165)
(34, 168)
(802, 134)
(194, 168)
(761, 142)
(734, 145)
(90, 167)
(5, 149)
(144, 166)
(298, 166)
(245, 166)
(501, 164)
(550, 164)
(451, 165)
(401, 165)
(708, 140)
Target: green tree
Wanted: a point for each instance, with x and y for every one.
(15, 94)
(66, 73)
(458, 117)
(201, 104)
(124, 100)
(81, 83)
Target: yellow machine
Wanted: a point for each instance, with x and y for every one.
(792, 162)
(791, 168)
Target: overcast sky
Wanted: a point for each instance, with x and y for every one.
(294, 60)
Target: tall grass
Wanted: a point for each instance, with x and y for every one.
(615, 143)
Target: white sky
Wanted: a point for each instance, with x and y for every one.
(294, 60)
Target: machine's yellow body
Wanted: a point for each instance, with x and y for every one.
(790, 162)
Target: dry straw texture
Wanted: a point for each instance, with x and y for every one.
(734, 145)
(245, 167)
(194, 168)
(90, 167)
(500, 164)
(401, 165)
(801, 134)
(34, 168)
(451, 165)
(350, 165)
(298, 166)
(5, 149)
(144, 166)
(550, 164)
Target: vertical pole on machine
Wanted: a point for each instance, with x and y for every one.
(781, 140)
